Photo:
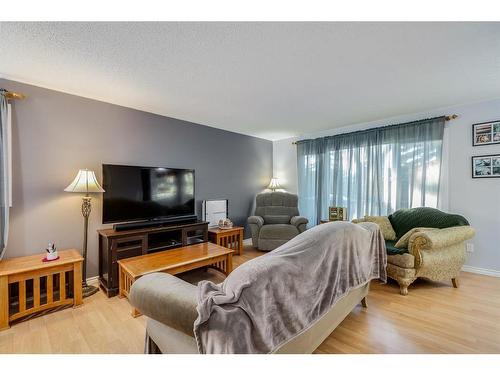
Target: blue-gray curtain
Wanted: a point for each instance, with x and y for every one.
(372, 172)
(4, 183)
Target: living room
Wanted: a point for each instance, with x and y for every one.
(325, 187)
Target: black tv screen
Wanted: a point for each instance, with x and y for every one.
(145, 193)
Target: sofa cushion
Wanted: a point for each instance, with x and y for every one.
(276, 219)
(278, 231)
(391, 249)
(405, 260)
(404, 220)
(402, 243)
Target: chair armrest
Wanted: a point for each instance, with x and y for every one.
(300, 222)
(437, 238)
(297, 220)
(258, 220)
(167, 299)
(255, 223)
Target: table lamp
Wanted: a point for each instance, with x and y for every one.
(85, 182)
(274, 184)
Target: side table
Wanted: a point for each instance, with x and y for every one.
(230, 238)
(40, 285)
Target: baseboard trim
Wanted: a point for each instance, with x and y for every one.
(93, 280)
(481, 271)
(247, 241)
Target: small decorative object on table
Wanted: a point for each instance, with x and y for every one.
(51, 253)
(225, 224)
(337, 213)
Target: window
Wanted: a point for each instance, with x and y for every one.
(372, 172)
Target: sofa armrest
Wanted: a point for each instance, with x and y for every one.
(167, 299)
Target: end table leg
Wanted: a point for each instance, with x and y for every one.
(77, 284)
(240, 243)
(121, 282)
(229, 264)
(4, 302)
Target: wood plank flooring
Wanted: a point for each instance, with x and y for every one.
(433, 318)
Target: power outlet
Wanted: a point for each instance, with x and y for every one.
(470, 248)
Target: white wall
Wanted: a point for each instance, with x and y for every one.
(477, 199)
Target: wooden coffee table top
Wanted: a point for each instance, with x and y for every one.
(34, 262)
(218, 230)
(170, 259)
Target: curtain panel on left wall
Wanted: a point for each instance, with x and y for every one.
(371, 172)
(4, 171)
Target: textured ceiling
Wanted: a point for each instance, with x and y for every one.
(271, 80)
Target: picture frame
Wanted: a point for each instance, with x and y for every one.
(337, 213)
(486, 166)
(486, 133)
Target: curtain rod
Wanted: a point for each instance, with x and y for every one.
(446, 118)
(9, 95)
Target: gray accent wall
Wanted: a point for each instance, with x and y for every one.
(56, 134)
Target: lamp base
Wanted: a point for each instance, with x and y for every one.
(88, 290)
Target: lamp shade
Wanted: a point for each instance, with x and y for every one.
(274, 184)
(85, 182)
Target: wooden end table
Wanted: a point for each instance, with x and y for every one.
(173, 262)
(230, 238)
(55, 283)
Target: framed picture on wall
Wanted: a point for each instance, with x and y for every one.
(486, 133)
(486, 166)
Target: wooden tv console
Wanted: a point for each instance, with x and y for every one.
(117, 245)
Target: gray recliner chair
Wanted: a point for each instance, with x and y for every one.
(276, 220)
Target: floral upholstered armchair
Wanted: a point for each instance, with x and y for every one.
(423, 242)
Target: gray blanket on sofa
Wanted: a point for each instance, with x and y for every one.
(269, 300)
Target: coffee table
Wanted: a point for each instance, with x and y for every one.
(173, 262)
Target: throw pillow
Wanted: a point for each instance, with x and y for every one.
(384, 224)
(404, 240)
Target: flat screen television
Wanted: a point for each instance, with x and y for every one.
(146, 193)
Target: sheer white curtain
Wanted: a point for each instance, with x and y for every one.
(4, 171)
(372, 172)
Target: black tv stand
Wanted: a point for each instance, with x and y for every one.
(155, 223)
(115, 245)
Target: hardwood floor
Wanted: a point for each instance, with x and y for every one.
(433, 318)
